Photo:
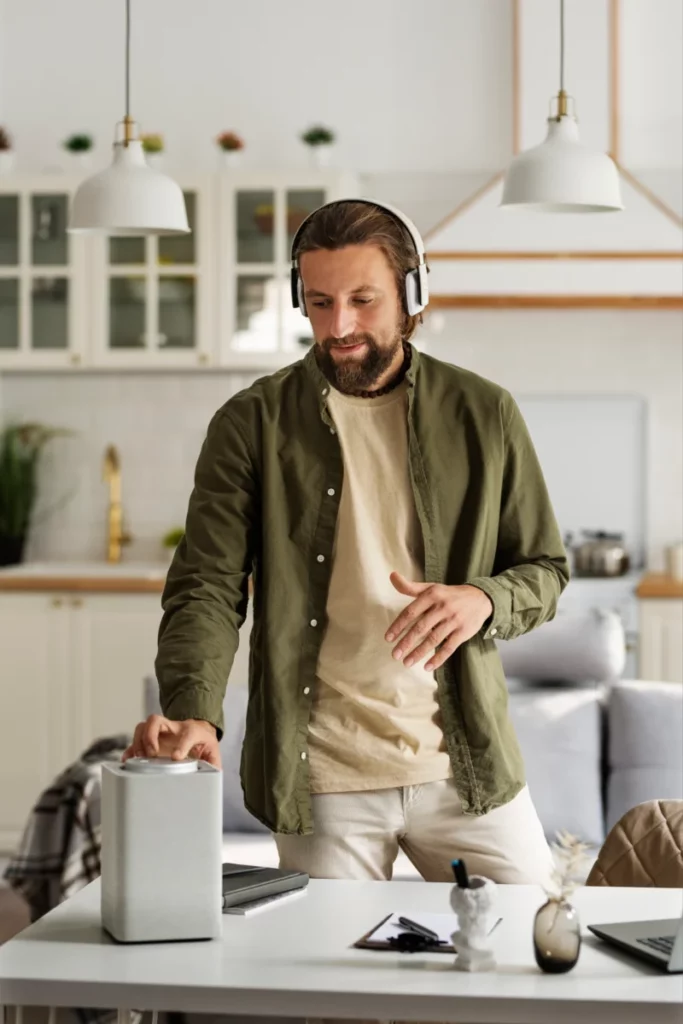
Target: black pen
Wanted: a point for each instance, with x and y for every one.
(460, 872)
(419, 929)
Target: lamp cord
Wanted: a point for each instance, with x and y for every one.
(562, 45)
(127, 58)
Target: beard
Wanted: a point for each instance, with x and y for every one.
(350, 374)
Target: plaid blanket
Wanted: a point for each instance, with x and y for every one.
(59, 852)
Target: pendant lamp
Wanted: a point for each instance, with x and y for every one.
(561, 175)
(129, 197)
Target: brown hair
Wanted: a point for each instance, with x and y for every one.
(345, 223)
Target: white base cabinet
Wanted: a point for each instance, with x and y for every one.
(661, 639)
(71, 671)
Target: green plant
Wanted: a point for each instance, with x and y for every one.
(230, 141)
(79, 143)
(152, 143)
(5, 140)
(20, 449)
(318, 135)
(173, 538)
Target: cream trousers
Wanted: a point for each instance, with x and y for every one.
(358, 835)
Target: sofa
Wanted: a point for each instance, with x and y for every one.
(594, 744)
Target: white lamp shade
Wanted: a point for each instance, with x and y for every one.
(129, 198)
(562, 176)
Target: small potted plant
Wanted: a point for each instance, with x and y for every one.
(6, 152)
(171, 540)
(80, 146)
(231, 146)
(20, 450)
(320, 140)
(153, 147)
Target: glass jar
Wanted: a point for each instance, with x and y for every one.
(557, 936)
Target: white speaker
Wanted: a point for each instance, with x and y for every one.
(162, 850)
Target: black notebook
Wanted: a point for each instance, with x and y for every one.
(243, 883)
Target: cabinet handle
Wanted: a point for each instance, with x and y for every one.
(75, 359)
(57, 602)
(203, 358)
(77, 602)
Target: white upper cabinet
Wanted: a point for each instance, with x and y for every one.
(152, 296)
(43, 276)
(259, 216)
(219, 296)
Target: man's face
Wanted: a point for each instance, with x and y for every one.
(355, 313)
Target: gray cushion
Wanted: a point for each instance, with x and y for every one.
(559, 731)
(586, 647)
(645, 723)
(236, 818)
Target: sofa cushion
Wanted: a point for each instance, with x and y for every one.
(586, 647)
(559, 731)
(645, 730)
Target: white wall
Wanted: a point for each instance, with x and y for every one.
(158, 420)
(407, 85)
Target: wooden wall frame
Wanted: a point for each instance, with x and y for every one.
(517, 301)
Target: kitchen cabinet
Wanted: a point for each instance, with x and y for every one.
(661, 639)
(218, 296)
(71, 670)
(44, 276)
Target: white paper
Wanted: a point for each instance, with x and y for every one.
(443, 924)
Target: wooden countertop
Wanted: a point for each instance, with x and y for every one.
(659, 585)
(82, 584)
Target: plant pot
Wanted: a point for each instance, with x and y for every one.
(231, 157)
(82, 160)
(155, 160)
(557, 936)
(11, 550)
(321, 154)
(6, 161)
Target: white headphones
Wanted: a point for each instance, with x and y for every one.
(416, 289)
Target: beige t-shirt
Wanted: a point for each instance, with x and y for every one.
(374, 723)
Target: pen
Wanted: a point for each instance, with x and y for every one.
(419, 929)
(460, 872)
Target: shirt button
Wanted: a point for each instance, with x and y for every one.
(330, 491)
(303, 755)
(332, 430)
(324, 391)
(307, 690)
(314, 622)
(494, 631)
(321, 558)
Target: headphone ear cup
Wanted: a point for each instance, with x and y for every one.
(414, 305)
(300, 295)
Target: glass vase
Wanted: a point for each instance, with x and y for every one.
(557, 936)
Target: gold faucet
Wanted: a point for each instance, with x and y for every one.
(116, 537)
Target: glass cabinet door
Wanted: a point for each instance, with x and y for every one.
(153, 286)
(259, 317)
(9, 273)
(38, 319)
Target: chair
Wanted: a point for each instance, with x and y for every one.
(644, 848)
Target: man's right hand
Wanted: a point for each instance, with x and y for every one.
(161, 737)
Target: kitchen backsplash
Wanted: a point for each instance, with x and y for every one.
(619, 375)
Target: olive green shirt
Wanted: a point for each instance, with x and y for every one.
(265, 502)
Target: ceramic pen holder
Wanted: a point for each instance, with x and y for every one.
(474, 907)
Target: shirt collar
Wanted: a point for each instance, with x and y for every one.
(323, 385)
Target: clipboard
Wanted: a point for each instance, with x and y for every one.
(449, 921)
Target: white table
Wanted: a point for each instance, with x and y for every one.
(295, 960)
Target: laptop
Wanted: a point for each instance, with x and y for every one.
(658, 942)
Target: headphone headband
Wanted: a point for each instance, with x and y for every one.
(416, 289)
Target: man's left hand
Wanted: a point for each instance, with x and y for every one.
(440, 619)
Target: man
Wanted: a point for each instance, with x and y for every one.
(393, 515)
